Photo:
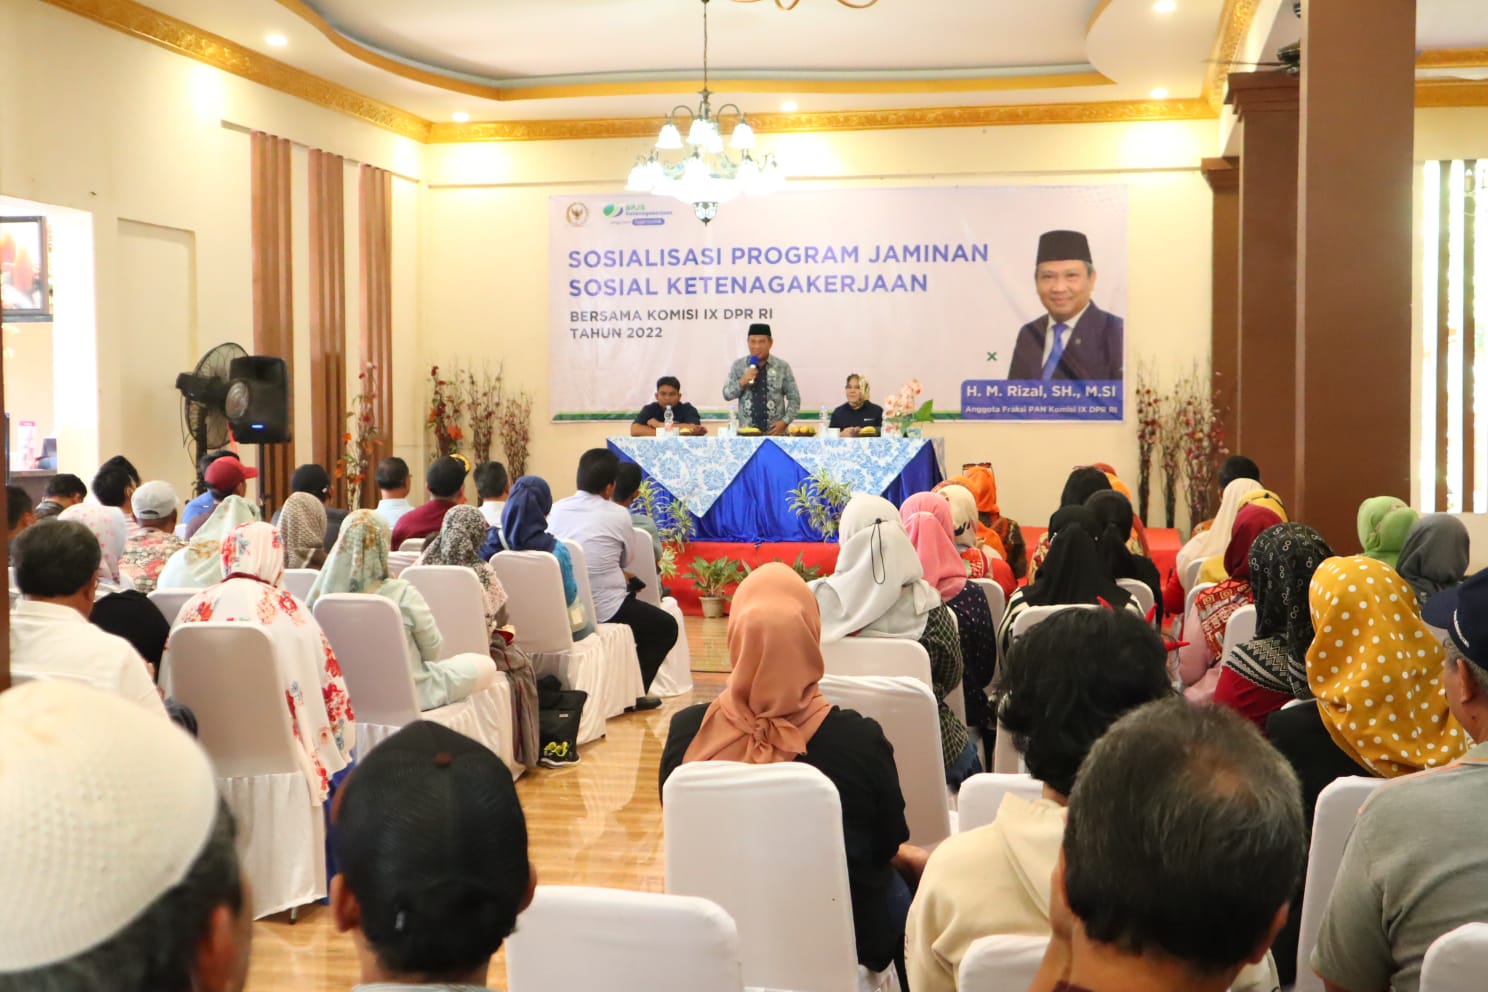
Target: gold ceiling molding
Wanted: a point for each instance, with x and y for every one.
(1234, 26)
(139, 21)
(643, 87)
(1114, 111)
(1453, 58)
(1451, 93)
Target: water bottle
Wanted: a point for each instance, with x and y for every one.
(824, 416)
(667, 419)
(733, 427)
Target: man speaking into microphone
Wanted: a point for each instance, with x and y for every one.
(765, 387)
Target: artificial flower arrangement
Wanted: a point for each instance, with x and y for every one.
(903, 409)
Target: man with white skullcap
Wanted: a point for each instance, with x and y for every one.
(117, 866)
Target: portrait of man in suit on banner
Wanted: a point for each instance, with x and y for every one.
(1074, 339)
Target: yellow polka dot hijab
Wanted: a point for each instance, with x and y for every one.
(1375, 669)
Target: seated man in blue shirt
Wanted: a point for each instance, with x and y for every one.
(591, 519)
(653, 415)
(206, 502)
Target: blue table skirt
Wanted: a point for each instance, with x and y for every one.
(755, 508)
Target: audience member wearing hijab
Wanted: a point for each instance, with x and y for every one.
(1384, 524)
(1211, 542)
(1137, 540)
(1435, 555)
(1083, 483)
(1012, 547)
(1234, 467)
(980, 562)
(879, 590)
(771, 710)
(1204, 626)
(1355, 680)
(107, 525)
(1114, 515)
(359, 563)
(1215, 569)
(319, 708)
(302, 527)
(199, 564)
(458, 543)
(1074, 573)
(1262, 675)
(985, 536)
(524, 527)
(927, 519)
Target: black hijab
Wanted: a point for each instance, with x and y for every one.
(1075, 570)
(1082, 484)
(1113, 512)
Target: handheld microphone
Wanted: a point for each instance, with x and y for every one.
(754, 361)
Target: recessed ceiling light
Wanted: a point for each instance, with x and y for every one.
(1165, 6)
(1159, 94)
(460, 117)
(276, 40)
(790, 107)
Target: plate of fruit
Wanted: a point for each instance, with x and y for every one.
(868, 432)
(749, 432)
(801, 430)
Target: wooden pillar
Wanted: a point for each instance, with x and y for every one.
(1223, 175)
(1266, 104)
(1354, 231)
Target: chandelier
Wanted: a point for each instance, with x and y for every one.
(791, 4)
(708, 175)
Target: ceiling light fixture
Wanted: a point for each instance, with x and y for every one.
(1165, 6)
(276, 40)
(790, 107)
(791, 4)
(460, 117)
(708, 176)
(1159, 94)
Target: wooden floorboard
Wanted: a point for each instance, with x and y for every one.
(596, 823)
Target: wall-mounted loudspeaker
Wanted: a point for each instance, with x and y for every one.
(257, 402)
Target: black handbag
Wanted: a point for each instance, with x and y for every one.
(558, 715)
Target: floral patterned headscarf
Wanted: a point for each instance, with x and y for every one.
(254, 551)
(199, 564)
(458, 543)
(107, 525)
(359, 561)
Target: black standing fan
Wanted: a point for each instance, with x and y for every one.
(204, 391)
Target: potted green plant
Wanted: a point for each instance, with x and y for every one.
(820, 499)
(712, 579)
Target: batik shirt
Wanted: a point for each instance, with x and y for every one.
(781, 397)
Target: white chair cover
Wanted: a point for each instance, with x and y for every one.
(399, 560)
(170, 601)
(781, 825)
(906, 711)
(458, 603)
(1193, 594)
(1034, 615)
(1337, 809)
(675, 676)
(1141, 592)
(1003, 963)
(298, 581)
(226, 673)
(535, 604)
(1190, 573)
(622, 684)
(996, 599)
(366, 632)
(1457, 961)
(632, 942)
(414, 544)
(1240, 629)
(887, 656)
(981, 796)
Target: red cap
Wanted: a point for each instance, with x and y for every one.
(227, 474)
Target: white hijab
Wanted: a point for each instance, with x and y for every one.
(879, 588)
(1214, 540)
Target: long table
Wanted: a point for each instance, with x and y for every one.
(738, 488)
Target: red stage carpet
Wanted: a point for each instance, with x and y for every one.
(1164, 543)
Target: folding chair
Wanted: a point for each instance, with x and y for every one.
(1141, 592)
(170, 601)
(455, 598)
(996, 599)
(1457, 961)
(1002, 963)
(675, 676)
(623, 683)
(981, 796)
(1338, 807)
(298, 581)
(1241, 628)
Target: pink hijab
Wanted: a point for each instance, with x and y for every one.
(927, 517)
(771, 705)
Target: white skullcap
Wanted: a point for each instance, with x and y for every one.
(104, 806)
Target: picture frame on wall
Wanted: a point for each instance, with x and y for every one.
(24, 287)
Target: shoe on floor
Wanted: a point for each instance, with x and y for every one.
(558, 754)
(647, 703)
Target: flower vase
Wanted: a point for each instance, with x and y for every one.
(892, 427)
